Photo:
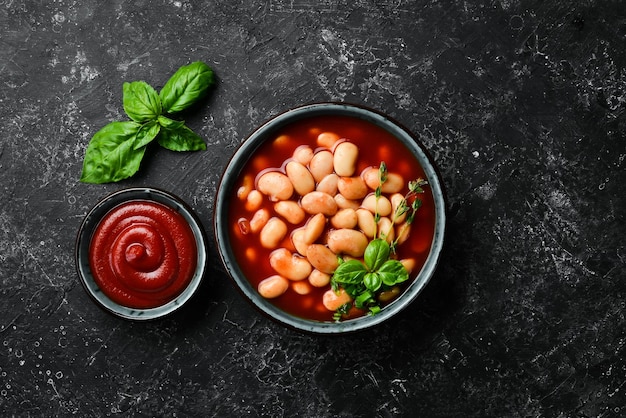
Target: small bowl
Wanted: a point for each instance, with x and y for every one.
(85, 235)
(228, 187)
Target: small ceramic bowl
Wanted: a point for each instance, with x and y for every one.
(228, 188)
(86, 235)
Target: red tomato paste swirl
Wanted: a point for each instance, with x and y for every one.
(142, 254)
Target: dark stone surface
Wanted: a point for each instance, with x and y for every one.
(522, 104)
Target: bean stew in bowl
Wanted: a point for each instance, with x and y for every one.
(330, 218)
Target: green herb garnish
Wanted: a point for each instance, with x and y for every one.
(363, 280)
(115, 151)
(379, 272)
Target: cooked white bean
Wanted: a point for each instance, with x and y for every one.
(403, 231)
(352, 188)
(290, 211)
(409, 264)
(319, 279)
(343, 203)
(276, 185)
(300, 177)
(302, 287)
(273, 286)
(321, 164)
(334, 300)
(254, 200)
(327, 139)
(328, 184)
(366, 222)
(344, 158)
(297, 239)
(259, 219)
(303, 154)
(385, 229)
(396, 201)
(314, 228)
(291, 266)
(318, 202)
(344, 218)
(389, 295)
(246, 187)
(382, 207)
(347, 241)
(393, 184)
(322, 258)
(273, 233)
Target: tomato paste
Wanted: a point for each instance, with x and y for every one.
(142, 254)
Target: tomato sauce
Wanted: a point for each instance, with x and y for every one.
(142, 254)
(375, 145)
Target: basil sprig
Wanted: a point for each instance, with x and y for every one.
(115, 151)
(364, 280)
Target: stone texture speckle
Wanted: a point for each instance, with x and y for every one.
(523, 106)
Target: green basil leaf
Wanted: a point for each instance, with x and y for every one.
(146, 134)
(110, 155)
(186, 86)
(393, 272)
(372, 281)
(180, 139)
(350, 272)
(376, 253)
(141, 101)
(170, 123)
(364, 299)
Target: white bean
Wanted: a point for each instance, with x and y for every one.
(319, 279)
(343, 203)
(352, 188)
(334, 300)
(382, 207)
(403, 231)
(322, 258)
(246, 187)
(303, 154)
(291, 266)
(328, 184)
(273, 233)
(298, 241)
(321, 165)
(314, 228)
(259, 219)
(344, 158)
(300, 177)
(254, 200)
(327, 139)
(347, 241)
(385, 229)
(302, 287)
(273, 286)
(344, 218)
(276, 185)
(409, 264)
(318, 202)
(366, 222)
(396, 201)
(393, 184)
(290, 211)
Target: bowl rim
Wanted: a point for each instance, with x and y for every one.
(91, 221)
(242, 155)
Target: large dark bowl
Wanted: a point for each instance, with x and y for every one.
(227, 188)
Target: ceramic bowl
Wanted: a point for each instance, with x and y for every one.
(84, 239)
(228, 187)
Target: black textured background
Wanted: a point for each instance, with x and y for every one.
(522, 104)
